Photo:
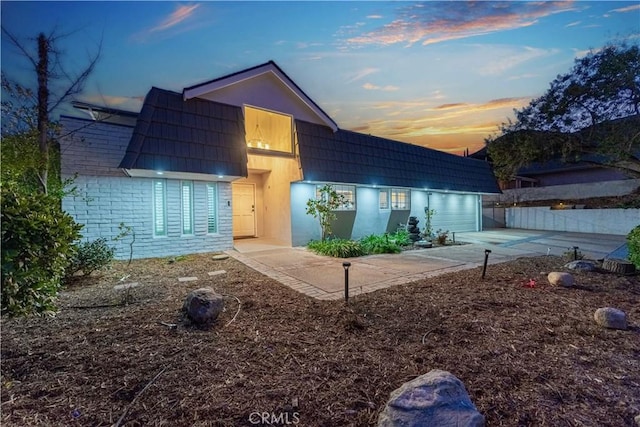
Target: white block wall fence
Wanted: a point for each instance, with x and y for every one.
(599, 221)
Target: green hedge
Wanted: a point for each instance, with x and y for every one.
(633, 242)
(37, 246)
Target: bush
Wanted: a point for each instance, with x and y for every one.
(442, 236)
(379, 244)
(339, 248)
(633, 242)
(91, 256)
(37, 246)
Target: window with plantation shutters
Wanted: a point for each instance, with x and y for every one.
(400, 199)
(187, 207)
(384, 199)
(212, 226)
(159, 208)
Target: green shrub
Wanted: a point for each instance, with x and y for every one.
(633, 242)
(379, 244)
(339, 248)
(91, 256)
(400, 237)
(37, 246)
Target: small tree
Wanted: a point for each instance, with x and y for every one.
(323, 207)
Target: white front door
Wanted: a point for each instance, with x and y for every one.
(244, 210)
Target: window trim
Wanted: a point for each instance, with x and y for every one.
(186, 210)
(387, 205)
(162, 204)
(212, 207)
(272, 151)
(395, 192)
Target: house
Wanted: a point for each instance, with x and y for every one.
(239, 156)
(557, 172)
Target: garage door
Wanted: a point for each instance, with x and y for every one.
(455, 212)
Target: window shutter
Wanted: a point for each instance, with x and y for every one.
(187, 207)
(211, 209)
(159, 209)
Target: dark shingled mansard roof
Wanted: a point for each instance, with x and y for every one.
(196, 136)
(355, 158)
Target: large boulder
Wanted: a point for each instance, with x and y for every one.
(203, 305)
(561, 279)
(436, 398)
(581, 265)
(611, 318)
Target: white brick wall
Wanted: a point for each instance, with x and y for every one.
(105, 197)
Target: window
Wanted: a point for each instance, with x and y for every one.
(187, 207)
(268, 130)
(400, 199)
(384, 199)
(348, 192)
(212, 226)
(159, 208)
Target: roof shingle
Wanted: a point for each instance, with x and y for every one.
(338, 157)
(187, 136)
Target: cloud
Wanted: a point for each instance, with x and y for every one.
(362, 74)
(511, 60)
(179, 15)
(388, 88)
(450, 106)
(573, 24)
(374, 16)
(627, 9)
(173, 24)
(435, 22)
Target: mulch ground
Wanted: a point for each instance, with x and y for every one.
(527, 356)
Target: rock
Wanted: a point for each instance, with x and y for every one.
(580, 265)
(125, 286)
(611, 318)
(619, 266)
(560, 279)
(219, 257)
(436, 398)
(203, 305)
(423, 244)
(637, 420)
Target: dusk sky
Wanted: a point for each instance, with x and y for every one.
(439, 74)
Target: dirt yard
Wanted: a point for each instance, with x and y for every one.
(528, 356)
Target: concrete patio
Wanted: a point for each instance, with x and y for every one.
(323, 277)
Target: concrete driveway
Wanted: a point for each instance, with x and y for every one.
(323, 277)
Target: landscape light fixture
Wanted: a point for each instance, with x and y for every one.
(486, 259)
(346, 266)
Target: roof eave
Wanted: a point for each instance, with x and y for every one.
(270, 67)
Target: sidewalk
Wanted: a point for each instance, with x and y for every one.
(323, 277)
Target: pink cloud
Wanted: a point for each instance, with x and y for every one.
(179, 15)
(436, 22)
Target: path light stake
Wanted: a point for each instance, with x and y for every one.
(346, 266)
(575, 253)
(486, 258)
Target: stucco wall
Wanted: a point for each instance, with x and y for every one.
(454, 212)
(602, 221)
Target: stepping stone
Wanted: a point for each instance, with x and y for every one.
(125, 286)
(187, 279)
(216, 273)
(220, 257)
